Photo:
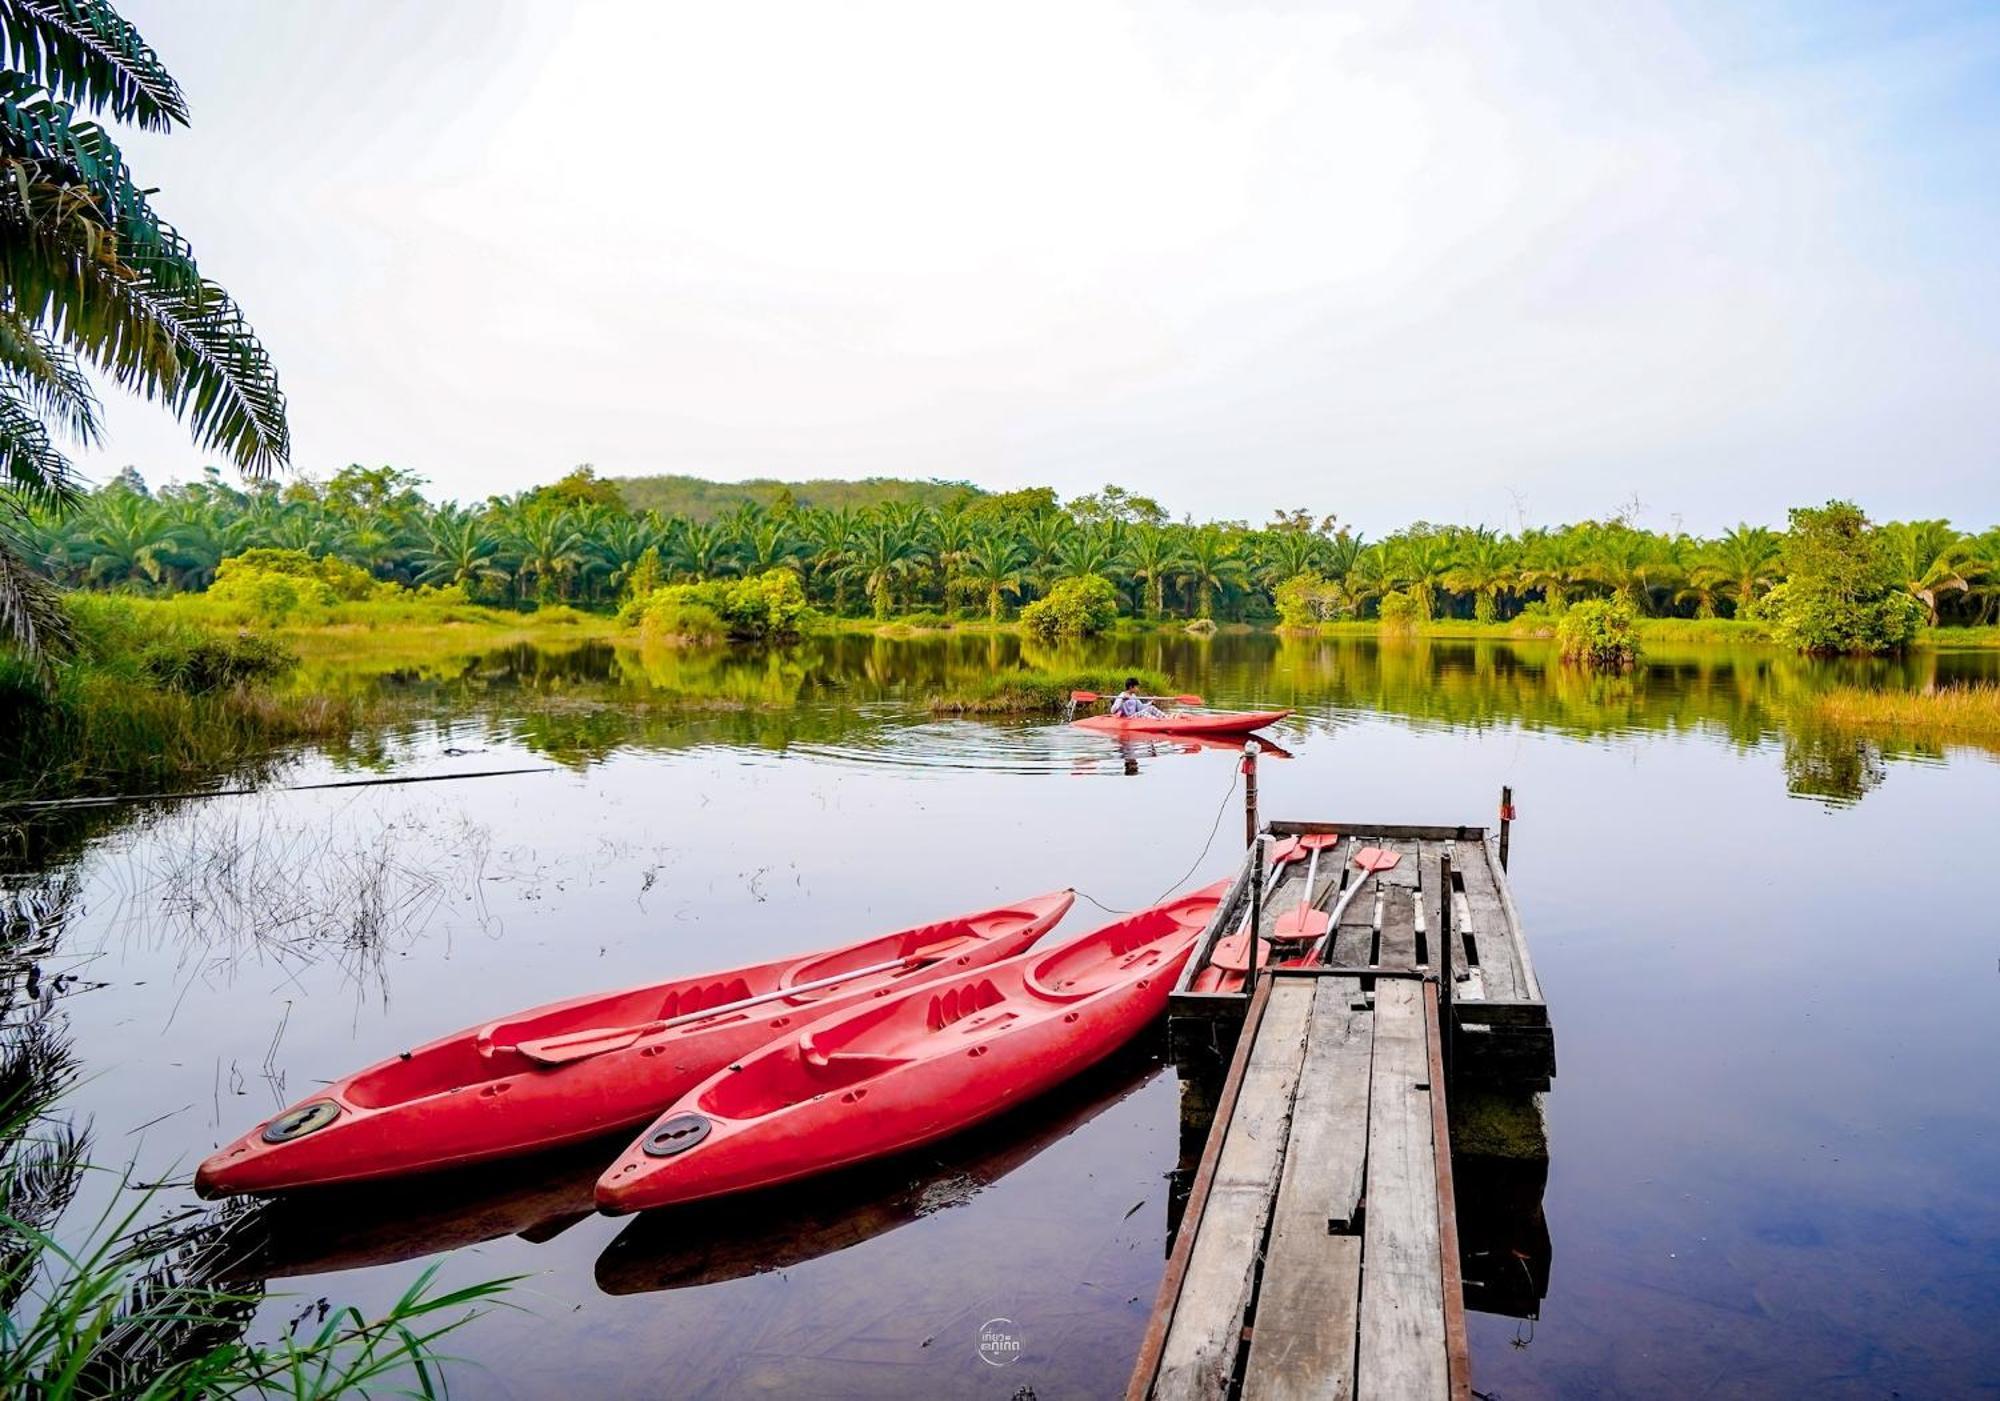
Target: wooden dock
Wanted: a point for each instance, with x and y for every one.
(1318, 1252)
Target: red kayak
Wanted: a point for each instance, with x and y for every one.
(1183, 722)
(576, 1069)
(914, 1067)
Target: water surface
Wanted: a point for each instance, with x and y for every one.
(1773, 984)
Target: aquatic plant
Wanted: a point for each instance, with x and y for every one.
(1599, 634)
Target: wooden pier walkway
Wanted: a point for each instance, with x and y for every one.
(1318, 1252)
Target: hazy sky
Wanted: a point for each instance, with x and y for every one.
(1392, 260)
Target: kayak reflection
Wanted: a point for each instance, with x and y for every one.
(1128, 752)
(324, 1229)
(714, 1241)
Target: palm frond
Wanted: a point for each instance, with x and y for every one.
(90, 55)
(32, 468)
(48, 377)
(31, 611)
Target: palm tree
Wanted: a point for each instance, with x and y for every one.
(828, 535)
(1630, 563)
(884, 551)
(125, 537)
(1286, 554)
(90, 274)
(1094, 549)
(550, 548)
(1043, 536)
(1210, 562)
(993, 564)
(1553, 561)
(703, 551)
(951, 535)
(1416, 560)
(459, 548)
(1747, 555)
(1930, 560)
(1483, 566)
(1154, 554)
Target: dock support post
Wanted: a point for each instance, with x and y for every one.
(1251, 749)
(1506, 821)
(1445, 979)
(1256, 895)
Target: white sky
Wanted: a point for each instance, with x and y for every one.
(1392, 260)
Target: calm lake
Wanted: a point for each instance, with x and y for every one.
(1775, 1130)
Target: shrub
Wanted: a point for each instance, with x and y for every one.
(1081, 607)
(273, 584)
(1306, 600)
(203, 664)
(1841, 593)
(1398, 612)
(1599, 634)
(769, 607)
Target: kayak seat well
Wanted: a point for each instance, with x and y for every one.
(1086, 966)
(768, 1083)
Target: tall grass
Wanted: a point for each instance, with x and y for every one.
(1039, 692)
(1968, 714)
(116, 1309)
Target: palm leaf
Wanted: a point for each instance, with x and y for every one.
(31, 611)
(48, 377)
(32, 469)
(86, 52)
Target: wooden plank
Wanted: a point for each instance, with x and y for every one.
(1150, 1344)
(1499, 968)
(1226, 917)
(1413, 831)
(1399, 927)
(1198, 1356)
(1303, 1341)
(1531, 986)
(1401, 1349)
(1457, 1355)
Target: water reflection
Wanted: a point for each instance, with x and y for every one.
(863, 699)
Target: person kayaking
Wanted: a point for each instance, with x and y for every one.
(1132, 706)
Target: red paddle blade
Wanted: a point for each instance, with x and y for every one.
(1233, 953)
(1285, 849)
(1373, 858)
(1083, 697)
(1190, 700)
(1318, 841)
(1300, 924)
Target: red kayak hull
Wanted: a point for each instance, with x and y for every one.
(474, 1095)
(1193, 722)
(914, 1067)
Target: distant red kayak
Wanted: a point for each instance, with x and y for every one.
(1185, 722)
(576, 1069)
(913, 1067)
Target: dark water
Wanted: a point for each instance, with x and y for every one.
(1771, 957)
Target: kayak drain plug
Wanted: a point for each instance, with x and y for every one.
(677, 1135)
(307, 1118)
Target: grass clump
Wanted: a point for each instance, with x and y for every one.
(1949, 714)
(1030, 692)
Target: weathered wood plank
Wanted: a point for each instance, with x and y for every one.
(1401, 1347)
(1498, 964)
(1198, 1356)
(1399, 927)
(1457, 1354)
(1531, 986)
(1307, 1305)
(1414, 831)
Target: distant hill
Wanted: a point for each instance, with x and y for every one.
(705, 500)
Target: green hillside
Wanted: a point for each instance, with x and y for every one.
(706, 500)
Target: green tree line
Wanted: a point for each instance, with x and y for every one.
(977, 555)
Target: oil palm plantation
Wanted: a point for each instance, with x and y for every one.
(1747, 555)
(92, 279)
(1930, 559)
(993, 565)
(1483, 565)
